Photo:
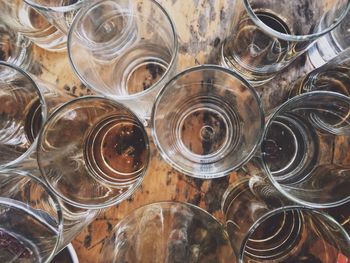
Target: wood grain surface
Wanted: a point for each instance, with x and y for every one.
(201, 27)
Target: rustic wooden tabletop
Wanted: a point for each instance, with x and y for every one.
(201, 27)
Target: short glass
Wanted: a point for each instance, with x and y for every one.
(207, 121)
(264, 228)
(93, 152)
(31, 219)
(127, 54)
(167, 232)
(305, 149)
(333, 76)
(23, 110)
(332, 44)
(267, 35)
(25, 20)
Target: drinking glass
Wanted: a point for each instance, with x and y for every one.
(264, 228)
(26, 21)
(333, 76)
(332, 44)
(23, 109)
(207, 121)
(31, 219)
(58, 12)
(127, 54)
(305, 149)
(93, 152)
(14, 48)
(267, 35)
(168, 232)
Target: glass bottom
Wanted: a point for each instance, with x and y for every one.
(115, 151)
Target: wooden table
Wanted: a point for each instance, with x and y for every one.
(201, 26)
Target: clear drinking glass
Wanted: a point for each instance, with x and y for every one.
(93, 152)
(263, 228)
(332, 44)
(305, 149)
(333, 76)
(168, 232)
(14, 48)
(267, 35)
(58, 12)
(127, 54)
(207, 121)
(26, 21)
(31, 219)
(23, 109)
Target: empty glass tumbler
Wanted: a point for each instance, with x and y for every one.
(263, 228)
(267, 35)
(333, 76)
(125, 50)
(30, 219)
(93, 152)
(305, 149)
(23, 110)
(58, 12)
(26, 21)
(207, 121)
(168, 232)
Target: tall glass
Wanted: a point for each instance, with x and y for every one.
(332, 44)
(207, 121)
(127, 54)
(26, 21)
(31, 219)
(168, 232)
(333, 76)
(267, 35)
(263, 227)
(305, 149)
(93, 152)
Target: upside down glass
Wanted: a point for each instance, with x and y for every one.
(168, 232)
(93, 152)
(267, 35)
(127, 54)
(263, 227)
(23, 110)
(305, 149)
(207, 121)
(333, 76)
(30, 219)
(26, 21)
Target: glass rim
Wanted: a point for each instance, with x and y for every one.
(163, 203)
(137, 95)
(44, 113)
(60, 9)
(289, 37)
(241, 181)
(211, 175)
(54, 198)
(271, 178)
(115, 200)
(287, 208)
